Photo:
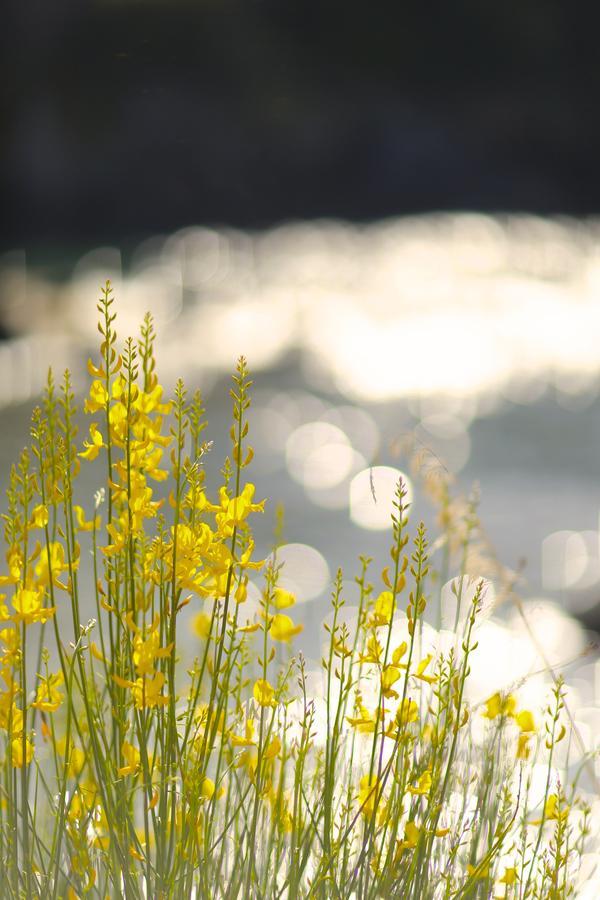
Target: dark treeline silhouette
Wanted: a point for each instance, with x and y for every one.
(122, 119)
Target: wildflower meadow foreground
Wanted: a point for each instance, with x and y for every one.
(126, 773)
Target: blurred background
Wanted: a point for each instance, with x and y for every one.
(391, 211)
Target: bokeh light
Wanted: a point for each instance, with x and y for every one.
(372, 494)
(571, 560)
(344, 295)
(305, 571)
(318, 455)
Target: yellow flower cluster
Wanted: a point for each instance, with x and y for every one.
(245, 769)
(506, 706)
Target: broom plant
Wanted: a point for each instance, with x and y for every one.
(125, 773)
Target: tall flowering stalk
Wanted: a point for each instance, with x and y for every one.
(125, 773)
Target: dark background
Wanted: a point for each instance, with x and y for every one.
(124, 119)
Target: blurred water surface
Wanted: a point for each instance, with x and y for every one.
(473, 337)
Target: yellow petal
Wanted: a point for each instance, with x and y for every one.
(263, 692)
(273, 749)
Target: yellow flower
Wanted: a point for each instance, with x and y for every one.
(16, 755)
(196, 499)
(117, 419)
(118, 535)
(246, 561)
(411, 834)
(76, 758)
(374, 651)
(273, 749)
(423, 784)
(235, 511)
(97, 652)
(49, 698)
(10, 656)
(420, 673)
(248, 739)
(93, 448)
(145, 458)
(132, 759)
(525, 720)
(97, 398)
(28, 605)
(283, 599)
(194, 546)
(151, 401)
(14, 558)
(480, 872)
(133, 852)
(399, 653)
(201, 625)
(39, 516)
(498, 705)
(411, 838)
(241, 592)
(4, 612)
(82, 523)
(141, 504)
(407, 712)
(263, 693)
(367, 795)
(249, 761)
(56, 566)
(11, 717)
(146, 691)
(147, 650)
(76, 762)
(95, 371)
(510, 876)
(365, 722)
(524, 745)
(389, 676)
(283, 629)
(249, 627)
(280, 809)
(207, 789)
(384, 609)
(553, 810)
